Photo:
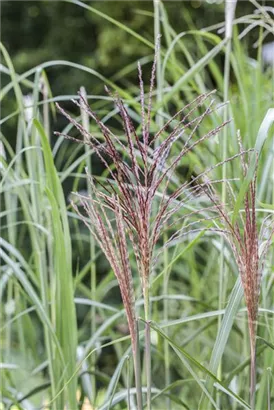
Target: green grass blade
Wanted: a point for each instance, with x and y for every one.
(223, 333)
(261, 138)
(65, 309)
(193, 70)
(113, 21)
(186, 359)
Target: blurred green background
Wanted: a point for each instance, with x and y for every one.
(37, 31)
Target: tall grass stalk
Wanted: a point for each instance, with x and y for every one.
(132, 192)
(250, 248)
(159, 119)
(230, 7)
(85, 122)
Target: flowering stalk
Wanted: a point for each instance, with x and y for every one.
(115, 249)
(140, 177)
(249, 247)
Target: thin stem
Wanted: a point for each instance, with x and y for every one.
(146, 300)
(128, 383)
(158, 119)
(93, 280)
(166, 344)
(159, 83)
(148, 364)
(46, 120)
(252, 374)
(147, 342)
(229, 25)
(137, 369)
(252, 340)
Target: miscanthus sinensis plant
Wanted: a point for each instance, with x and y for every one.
(249, 240)
(136, 203)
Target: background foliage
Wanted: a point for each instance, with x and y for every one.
(64, 334)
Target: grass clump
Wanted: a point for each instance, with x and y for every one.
(170, 183)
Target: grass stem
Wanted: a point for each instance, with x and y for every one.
(148, 363)
(137, 369)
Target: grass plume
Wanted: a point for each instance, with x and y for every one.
(135, 206)
(249, 246)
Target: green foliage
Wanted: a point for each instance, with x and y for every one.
(64, 338)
